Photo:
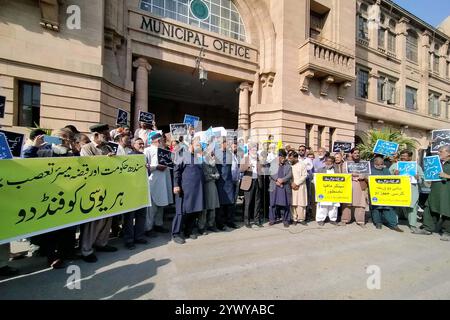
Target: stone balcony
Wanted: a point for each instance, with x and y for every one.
(327, 61)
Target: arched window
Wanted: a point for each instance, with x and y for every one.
(219, 16)
(411, 46)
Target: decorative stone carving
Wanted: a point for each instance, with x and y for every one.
(305, 77)
(325, 84)
(49, 14)
(342, 89)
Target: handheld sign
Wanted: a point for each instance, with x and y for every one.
(209, 133)
(191, 120)
(407, 168)
(146, 117)
(339, 146)
(5, 152)
(392, 191)
(439, 138)
(362, 167)
(333, 188)
(15, 142)
(178, 129)
(52, 140)
(432, 167)
(2, 106)
(386, 148)
(122, 117)
(165, 158)
(114, 146)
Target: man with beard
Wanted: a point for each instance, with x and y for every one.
(160, 186)
(60, 244)
(280, 190)
(438, 203)
(95, 234)
(188, 188)
(358, 206)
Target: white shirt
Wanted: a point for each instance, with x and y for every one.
(254, 165)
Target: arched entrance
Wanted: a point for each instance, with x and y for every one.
(165, 45)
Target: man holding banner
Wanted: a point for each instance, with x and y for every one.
(410, 212)
(438, 203)
(96, 232)
(327, 209)
(358, 205)
(380, 213)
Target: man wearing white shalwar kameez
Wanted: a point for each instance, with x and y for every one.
(327, 209)
(160, 187)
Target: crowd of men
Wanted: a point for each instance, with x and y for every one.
(207, 179)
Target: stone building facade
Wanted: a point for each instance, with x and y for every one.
(306, 71)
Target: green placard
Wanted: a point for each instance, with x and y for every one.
(44, 194)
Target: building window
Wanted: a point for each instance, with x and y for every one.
(363, 30)
(363, 84)
(381, 38)
(434, 108)
(411, 46)
(436, 59)
(411, 98)
(391, 42)
(29, 104)
(386, 91)
(223, 17)
(330, 139)
(308, 135)
(448, 70)
(319, 136)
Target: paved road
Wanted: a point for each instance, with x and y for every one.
(270, 263)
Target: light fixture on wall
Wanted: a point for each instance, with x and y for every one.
(202, 72)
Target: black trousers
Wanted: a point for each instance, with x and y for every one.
(225, 215)
(252, 199)
(184, 223)
(263, 182)
(58, 244)
(134, 225)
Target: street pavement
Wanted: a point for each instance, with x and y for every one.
(267, 263)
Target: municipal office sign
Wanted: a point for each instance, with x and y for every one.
(199, 9)
(177, 32)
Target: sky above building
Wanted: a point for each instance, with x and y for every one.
(430, 11)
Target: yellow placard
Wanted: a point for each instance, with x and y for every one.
(394, 191)
(336, 188)
(44, 194)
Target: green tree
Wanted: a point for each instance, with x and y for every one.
(370, 138)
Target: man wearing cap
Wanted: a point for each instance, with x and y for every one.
(96, 233)
(280, 189)
(160, 186)
(98, 145)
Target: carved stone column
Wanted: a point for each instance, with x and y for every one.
(244, 103)
(141, 86)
